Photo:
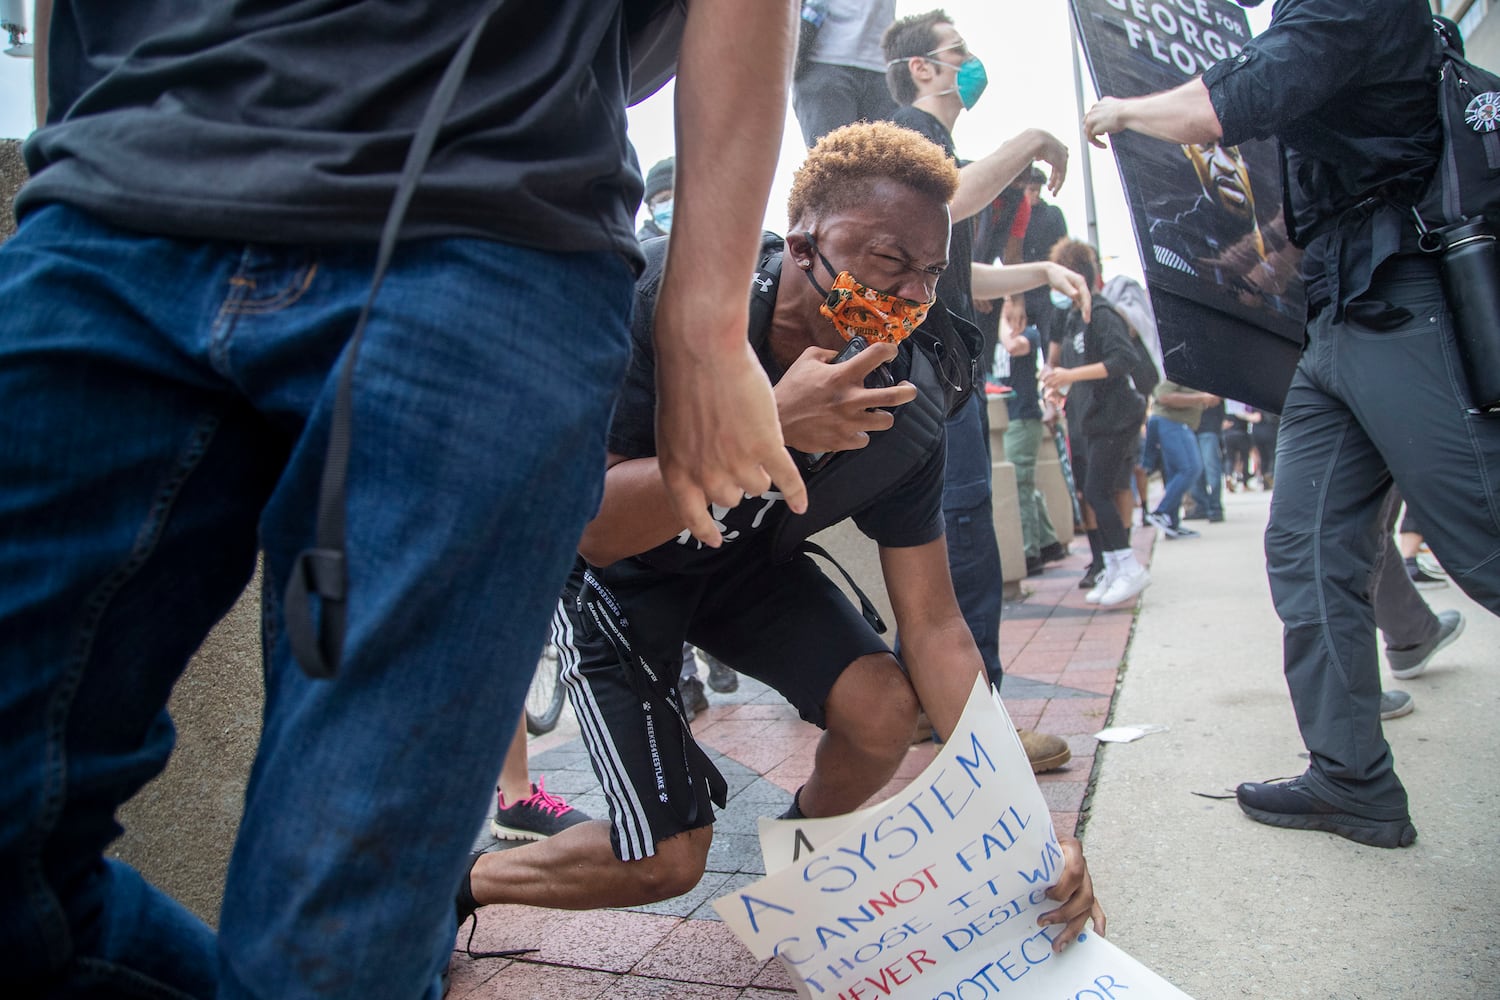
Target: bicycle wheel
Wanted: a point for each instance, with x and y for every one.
(544, 701)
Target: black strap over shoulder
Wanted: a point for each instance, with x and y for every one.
(317, 635)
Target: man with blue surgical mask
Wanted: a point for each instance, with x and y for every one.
(657, 200)
(933, 76)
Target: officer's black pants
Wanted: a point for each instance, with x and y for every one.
(1376, 396)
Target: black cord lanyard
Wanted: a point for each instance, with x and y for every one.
(653, 688)
(317, 639)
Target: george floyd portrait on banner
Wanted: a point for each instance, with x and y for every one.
(1223, 275)
(1222, 236)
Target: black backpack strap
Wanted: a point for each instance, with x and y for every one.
(763, 290)
(866, 606)
(852, 479)
(317, 637)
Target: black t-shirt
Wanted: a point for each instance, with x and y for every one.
(1110, 405)
(1024, 403)
(1212, 420)
(955, 287)
(288, 122)
(908, 515)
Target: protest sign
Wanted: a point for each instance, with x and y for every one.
(1223, 276)
(934, 893)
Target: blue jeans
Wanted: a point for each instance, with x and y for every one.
(167, 406)
(1181, 464)
(1207, 490)
(968, 516)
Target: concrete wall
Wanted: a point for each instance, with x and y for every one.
(1482, 47)
(180, 828)
(12, 176)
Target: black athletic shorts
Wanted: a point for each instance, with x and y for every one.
(785, 624)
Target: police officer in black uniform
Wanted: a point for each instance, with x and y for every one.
(1348, 87)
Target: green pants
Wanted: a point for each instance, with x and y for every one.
(1022, 438)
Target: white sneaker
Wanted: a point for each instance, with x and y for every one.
(1125, 586)
(1105, 579)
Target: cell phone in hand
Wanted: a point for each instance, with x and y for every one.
(879, 378)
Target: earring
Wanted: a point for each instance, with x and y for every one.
(804, 264)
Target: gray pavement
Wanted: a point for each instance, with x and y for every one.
(1226, 907)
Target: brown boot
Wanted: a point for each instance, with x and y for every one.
(1046, 753)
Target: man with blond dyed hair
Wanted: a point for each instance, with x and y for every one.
(868, 239)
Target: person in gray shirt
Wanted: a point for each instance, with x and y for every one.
(841, 78)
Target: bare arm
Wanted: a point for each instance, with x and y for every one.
(937, 647)
(717, 431)
(995, 281)
(1056, 378)
(1182, 114)
(981, 181)
(43, 16)
(1013, 333)
(1187, 399)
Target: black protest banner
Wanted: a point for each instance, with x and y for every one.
(1222, 274)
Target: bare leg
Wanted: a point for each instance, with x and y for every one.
(1411, 544)
(1125, 503)
(871, 712)
(577, 870)
(515, 776)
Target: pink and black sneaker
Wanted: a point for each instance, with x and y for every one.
(535, 817)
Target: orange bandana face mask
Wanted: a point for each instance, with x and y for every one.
(856, 309)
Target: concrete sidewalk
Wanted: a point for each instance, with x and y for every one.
(1226, 907)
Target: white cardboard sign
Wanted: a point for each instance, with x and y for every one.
(934, 893)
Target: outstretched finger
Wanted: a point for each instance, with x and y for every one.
(1059, 174)
(691, 504)
(783, 472)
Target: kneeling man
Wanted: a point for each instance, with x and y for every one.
(869, 238)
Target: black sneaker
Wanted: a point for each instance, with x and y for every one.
(1034, 565)
(536, 817)
(721, 678)
(1091, 576)
(1421, 579)
(1163, 523)
(694, 699)
(1054, 552)
(1291, 804)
